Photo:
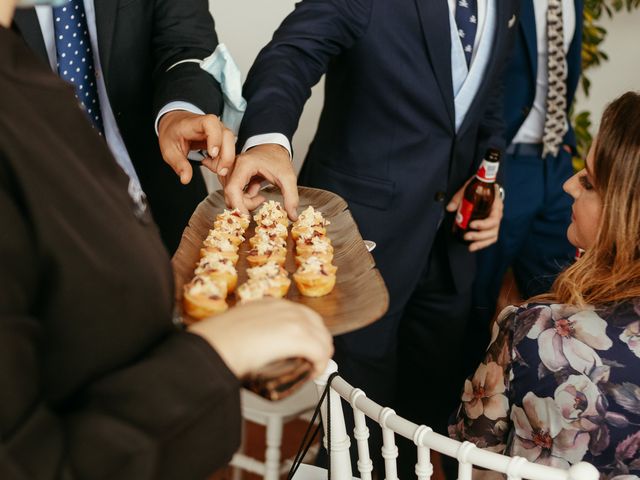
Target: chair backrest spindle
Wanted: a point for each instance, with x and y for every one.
(361, 434)
(389, 448)
(467, 454)
(424, 467)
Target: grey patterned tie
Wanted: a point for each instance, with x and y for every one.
(555, 123)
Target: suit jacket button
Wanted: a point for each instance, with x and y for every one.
(525, 111)
(440, 196)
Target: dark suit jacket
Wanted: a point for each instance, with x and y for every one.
(520, 76)
(138, 41)
(386, 140)
(95, 381)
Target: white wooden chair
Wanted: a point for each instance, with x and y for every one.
(467, 454)
(273, 415)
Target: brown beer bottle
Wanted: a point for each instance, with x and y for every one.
(479, 195)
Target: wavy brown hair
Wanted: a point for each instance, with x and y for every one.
(610, 270)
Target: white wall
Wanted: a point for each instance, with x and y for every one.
(247, 25)
(622, 72)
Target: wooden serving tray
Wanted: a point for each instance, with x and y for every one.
(360, 296)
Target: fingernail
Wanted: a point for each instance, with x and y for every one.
(213, 153)
(223, 172)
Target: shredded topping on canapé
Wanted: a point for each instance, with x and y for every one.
(272, 227)
(211, 264)
(254, 289)
(265, 236)
(219, 241)
(319, 244)
(206, 286)
(272, 210)
(229, 227)
(267, 248)
(308, 234)
(268, 270)
(311, 218)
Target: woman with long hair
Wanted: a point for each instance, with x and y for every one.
(561, 379)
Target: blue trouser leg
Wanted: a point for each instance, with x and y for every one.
(547, 251)
(532, 239)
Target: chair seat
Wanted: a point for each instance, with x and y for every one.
(258, 409)
(311, 472)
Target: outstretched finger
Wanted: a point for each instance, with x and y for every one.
(288, 185)
(210, 126)
(234, 190)
(227, 153)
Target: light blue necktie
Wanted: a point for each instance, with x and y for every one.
(75, 57)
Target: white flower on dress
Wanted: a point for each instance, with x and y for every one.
(631, 336)
(483, 395)
(543, 436)
(569, 337)
(577, 398)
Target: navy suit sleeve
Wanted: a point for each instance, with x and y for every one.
(280, 81)
(184, 30)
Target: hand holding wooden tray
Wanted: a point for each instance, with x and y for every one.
(359, 297)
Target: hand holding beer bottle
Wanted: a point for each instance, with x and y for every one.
(478, 207)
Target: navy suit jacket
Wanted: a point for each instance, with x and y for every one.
(520, 77)
(138, 42)
(386, 140)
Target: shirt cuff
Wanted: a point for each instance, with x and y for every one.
(172, 106)
(194, 155)
(265, 138)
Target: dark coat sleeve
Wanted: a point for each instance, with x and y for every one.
(171, 413)
(280, 81)
(184, 30)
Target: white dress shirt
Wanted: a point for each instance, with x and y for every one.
(111, 130)
(532, 130)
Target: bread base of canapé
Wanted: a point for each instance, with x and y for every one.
(314, 284)
(258, 260)
(297, 231)
(230, 279)
(280, 286)
(200, 306)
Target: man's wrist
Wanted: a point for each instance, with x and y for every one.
(173, 107)
(268, 139)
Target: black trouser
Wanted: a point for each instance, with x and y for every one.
(420, 373)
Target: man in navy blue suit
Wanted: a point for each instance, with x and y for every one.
(541, 80)
(413, 98)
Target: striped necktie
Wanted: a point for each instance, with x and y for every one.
(555, 123)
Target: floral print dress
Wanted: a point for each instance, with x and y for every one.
(559, 385)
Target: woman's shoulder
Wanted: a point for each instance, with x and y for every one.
(580, 364)
(533, 319)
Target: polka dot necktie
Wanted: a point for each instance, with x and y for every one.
(555, 123)
(467, 23)
(75, 57)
